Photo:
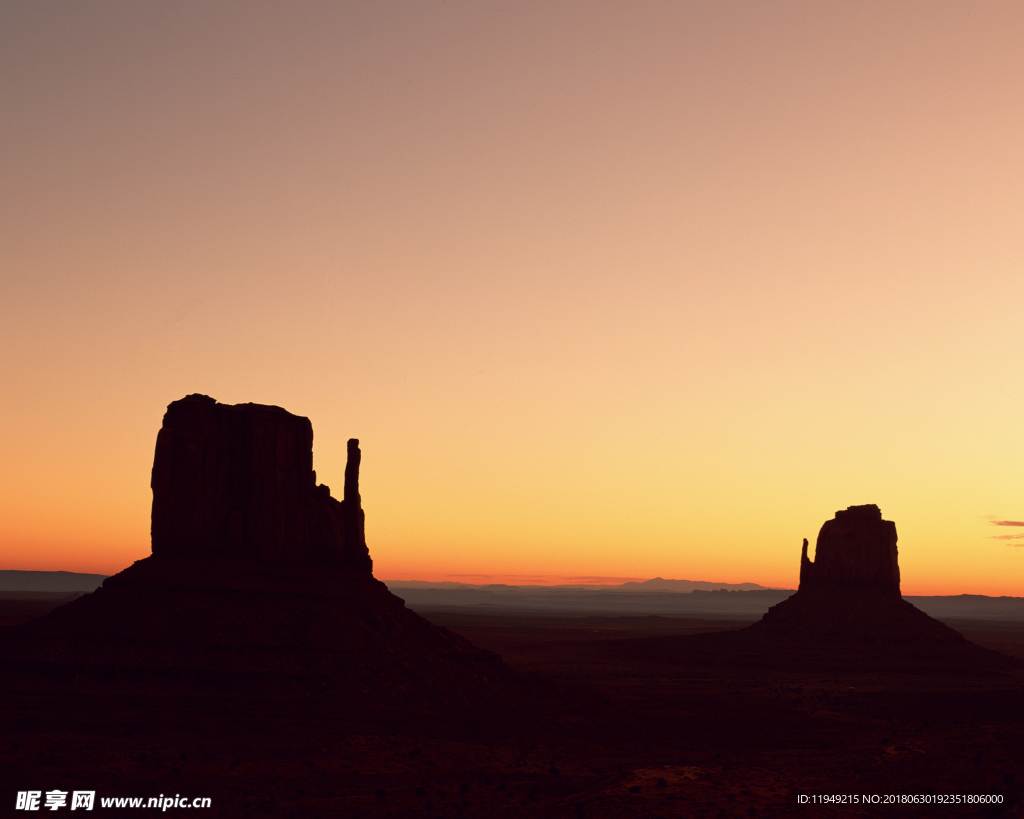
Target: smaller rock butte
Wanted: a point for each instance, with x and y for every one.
(856, 549)
(849, 599)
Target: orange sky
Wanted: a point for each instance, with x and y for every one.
(604, 289)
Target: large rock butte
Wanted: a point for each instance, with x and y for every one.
(257, 607)
(238, 481)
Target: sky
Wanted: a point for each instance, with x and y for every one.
(606, 290)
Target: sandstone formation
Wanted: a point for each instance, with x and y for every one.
(257, 606)
(849, 600)
(847, 617)
(856, 549)
(239, 481)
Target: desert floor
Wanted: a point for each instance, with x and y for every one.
(678, 733)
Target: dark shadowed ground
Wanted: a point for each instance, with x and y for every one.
(673, 733)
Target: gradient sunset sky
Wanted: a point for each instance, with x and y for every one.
(605, 289)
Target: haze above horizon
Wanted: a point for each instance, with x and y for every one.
(604, 290)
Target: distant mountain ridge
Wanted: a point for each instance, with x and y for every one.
(13, 580)
(655, 584)
(660, 584)
(658, 595)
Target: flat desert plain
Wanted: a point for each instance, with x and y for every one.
(675, 729)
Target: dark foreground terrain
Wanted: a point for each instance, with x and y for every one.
(676, 730)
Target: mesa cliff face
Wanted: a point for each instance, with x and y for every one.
(856, 549)
(238, 481)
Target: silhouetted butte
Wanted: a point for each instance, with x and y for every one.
(847, 616)
(257, 605)
(849, 599)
